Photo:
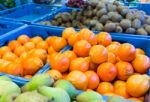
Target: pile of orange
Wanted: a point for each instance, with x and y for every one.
(25, 56)
(98, 63)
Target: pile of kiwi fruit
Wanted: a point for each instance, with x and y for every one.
(104, 16)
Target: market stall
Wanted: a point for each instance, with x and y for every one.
(75, 51)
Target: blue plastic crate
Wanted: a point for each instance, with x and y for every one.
(68, 9)
(28, 13)
(31, 31)
(7, 26)
(140, 6)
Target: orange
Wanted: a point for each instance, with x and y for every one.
(23, 39)
(82, 48)
(4, 50)
(93, 66)
(73, 38)
(113, 48)
(120, 89)
(111, 58)
(31, 65)
(115, 42)
(14, 44)
(28, 76)
(107, 71)
(51, 50)
(126, 52)
(67, 32)
(134, 99)
(59, 43)
(119, 83)
(98, 54)
(86, 34)
(80, 64)
(105, 87)
(78, 79)
(42, 45)
(124, 70)
(9, 56)
(93, 80)
(3, 65)
(29, 45)
(70, 54)
(55, 74)
(24, 55)
(50, 40)
(141, 63)
(14, 68)
(40, 53)
(19, 50)
(139, 51)
(137, 85)
(36, 39)
(59, 62)
(104, 38)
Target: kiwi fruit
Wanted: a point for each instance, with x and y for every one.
(147, 28)
(104, 19)
(119, 29)
(131, 31)
(130, 16)
(140, 17)
(110, 27)
(99, 27)
(136, 23)
(101, 12)
(124, 12)
(147, 21)
(141, 31)
(111, 7)
(93, 22)
(116, 18)
(125, 23)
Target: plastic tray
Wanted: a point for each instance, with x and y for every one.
(28, 13)
(30, 31)
(7, 26)
(68, 9)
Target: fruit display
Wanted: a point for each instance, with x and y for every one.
(26, 55)
(93, 67)
(104, 16)
(98, 63)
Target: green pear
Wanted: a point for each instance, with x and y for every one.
(9, 97)
(68, 87)
(89, 96)
(8, 87)
(116, 99)
(5, 78)
(31, 97)
(37, 81)
(54, 94)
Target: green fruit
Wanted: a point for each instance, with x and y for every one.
(37, 81)
(54, 94)
(5, 78)
(89, 96)
(8, 87)
(68, 87)
(116, 99)
(31, 97)
(9, 97)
